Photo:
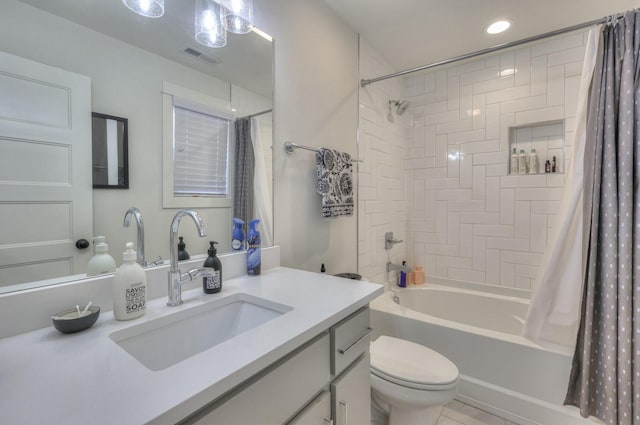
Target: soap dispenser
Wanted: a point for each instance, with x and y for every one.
(253, 251)
(129, 287)
(101, 262)
(182, 252)
(212, 284)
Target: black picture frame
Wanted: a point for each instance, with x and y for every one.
(109, 141)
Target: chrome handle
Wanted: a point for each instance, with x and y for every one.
(329, 421)
(366, 334)
(346, 412)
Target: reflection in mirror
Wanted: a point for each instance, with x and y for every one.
(105, 58)
(109, 151)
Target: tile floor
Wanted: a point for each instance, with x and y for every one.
(457, 413)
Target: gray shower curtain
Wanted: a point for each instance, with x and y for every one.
(244, 170)
(605, 375)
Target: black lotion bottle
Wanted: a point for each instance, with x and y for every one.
(212, 284)
(182, 252)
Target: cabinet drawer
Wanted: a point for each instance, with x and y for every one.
(275, 396)
(349, 339)
(318, 412)
(351, 393)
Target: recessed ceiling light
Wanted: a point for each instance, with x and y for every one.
(498, 27)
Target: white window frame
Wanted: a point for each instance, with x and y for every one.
(189, 99)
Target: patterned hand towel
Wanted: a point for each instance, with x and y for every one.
(335, 182)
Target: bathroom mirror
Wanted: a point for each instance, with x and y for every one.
(125, 60)
(109, 152)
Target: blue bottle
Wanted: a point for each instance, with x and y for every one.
(253, 251)
(402, 277)
(237, 236)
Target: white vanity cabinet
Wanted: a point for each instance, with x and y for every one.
(324, 382)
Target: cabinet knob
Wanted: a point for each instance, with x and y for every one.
(82, 244)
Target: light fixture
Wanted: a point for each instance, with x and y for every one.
(213, 18)
(209, 27)
(237, 15)
(148, 8)
(498, 27)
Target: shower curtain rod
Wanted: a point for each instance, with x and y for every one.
(605, 20)
(257, 114)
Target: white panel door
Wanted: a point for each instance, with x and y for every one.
(46, 201)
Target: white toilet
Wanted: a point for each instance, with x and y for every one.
(409, 382)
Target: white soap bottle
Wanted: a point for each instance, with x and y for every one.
(514, 161)
(522, 162)
(534, 164)
(101, 262)
(129, 287)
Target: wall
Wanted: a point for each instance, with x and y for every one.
(382, 205)
(468, 219)
(126, 82)
(315, 104)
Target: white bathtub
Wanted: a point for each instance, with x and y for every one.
(501, 371)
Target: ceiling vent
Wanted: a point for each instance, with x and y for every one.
(212, 60)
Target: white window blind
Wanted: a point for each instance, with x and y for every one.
(201, 152)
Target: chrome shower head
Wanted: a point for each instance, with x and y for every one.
(400, 105)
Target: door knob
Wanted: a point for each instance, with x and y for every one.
(82, 244)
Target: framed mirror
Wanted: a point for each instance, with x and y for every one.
(109, 152)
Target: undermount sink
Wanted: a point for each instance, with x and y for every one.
(168, 340)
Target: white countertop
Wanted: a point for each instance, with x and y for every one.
(86, 378)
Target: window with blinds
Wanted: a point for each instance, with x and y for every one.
(200, 153)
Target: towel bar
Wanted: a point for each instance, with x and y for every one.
(290, 147)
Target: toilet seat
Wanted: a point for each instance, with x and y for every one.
(412, 365)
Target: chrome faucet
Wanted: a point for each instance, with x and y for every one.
(389, 242)
(133, 211)
(400, 267)
(176, 277)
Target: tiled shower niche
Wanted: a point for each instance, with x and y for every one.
(546, 138)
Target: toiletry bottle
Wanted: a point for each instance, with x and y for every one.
(522, 162)
(547, 166)
(322, 268)
(534, 165)
(253, 251)
(410, 278)
(129, 287)
(402, 282)
(101, 262)
(237, 235)
(553, 165)
(182, 253)
(418, 276)
(212, 284)
(514, 161)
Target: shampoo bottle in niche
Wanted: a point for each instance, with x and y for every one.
(182, 252)
(522, 162)
(212, 284)
(129, 287)
(534, 164)
(514, 161)
(101, 262)
(237, 235)
(253, 251)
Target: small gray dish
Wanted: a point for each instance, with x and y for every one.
(68, 321)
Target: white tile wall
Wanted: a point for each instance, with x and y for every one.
(390, 151)
(438, 177)
(467, 219)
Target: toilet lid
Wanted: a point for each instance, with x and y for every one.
(411, 365)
